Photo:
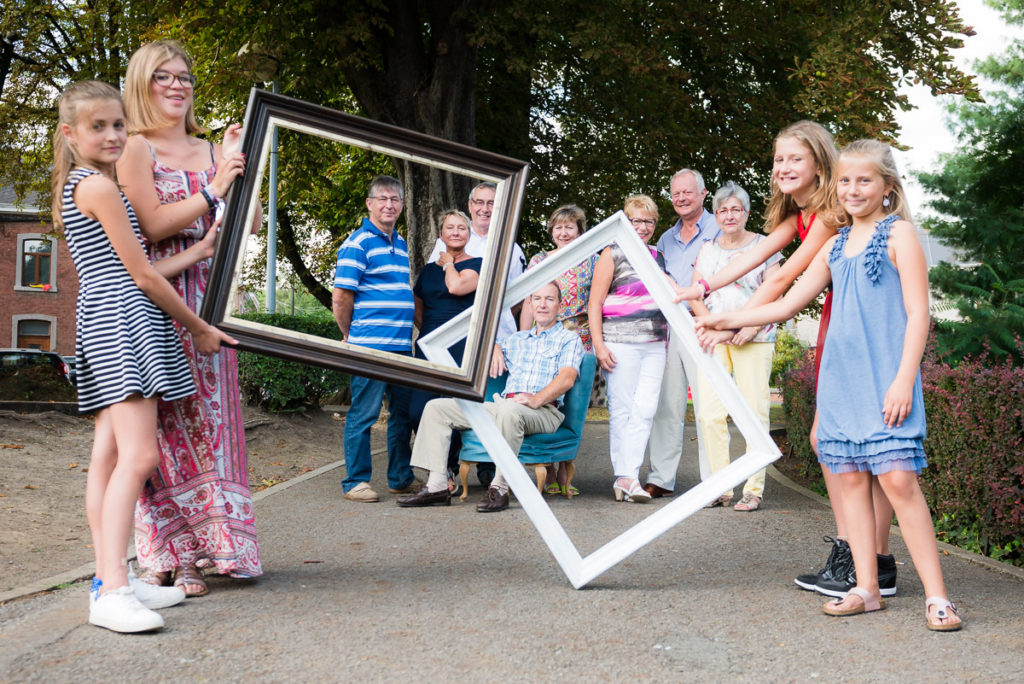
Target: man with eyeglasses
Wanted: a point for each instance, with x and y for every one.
(373, 306)
(680, 245)
(481, 206)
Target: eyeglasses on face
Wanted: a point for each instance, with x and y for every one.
(387, 199)
(735, 211)
(643, 222)
(166, 78)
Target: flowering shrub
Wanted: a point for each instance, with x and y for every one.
(788, 351)
(279, 385)
(974, 482)
(798, 406)
(975, 445)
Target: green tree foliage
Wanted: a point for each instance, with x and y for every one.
(619, 95)
(44, 46)
(603, 98)
(982, 218)
(408, 64)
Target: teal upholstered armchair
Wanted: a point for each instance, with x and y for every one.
(541, 450)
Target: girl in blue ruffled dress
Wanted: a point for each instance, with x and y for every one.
(871, 418)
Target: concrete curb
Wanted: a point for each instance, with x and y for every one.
(66, 407)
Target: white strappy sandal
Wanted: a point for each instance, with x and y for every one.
(943, 606)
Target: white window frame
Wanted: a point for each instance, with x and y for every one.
(21, 260)
(16, 319)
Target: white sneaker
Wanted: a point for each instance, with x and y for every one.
(118, 610)
(152, 596)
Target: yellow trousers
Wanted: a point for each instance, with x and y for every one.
(750, 366)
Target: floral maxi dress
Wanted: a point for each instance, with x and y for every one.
(197, 507)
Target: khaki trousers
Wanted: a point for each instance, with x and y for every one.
(751, 367)
(441, 416)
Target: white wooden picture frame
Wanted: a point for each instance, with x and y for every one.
(761, 448)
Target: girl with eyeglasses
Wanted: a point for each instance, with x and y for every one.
(196, 510)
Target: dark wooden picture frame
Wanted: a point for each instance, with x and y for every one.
(266, 110)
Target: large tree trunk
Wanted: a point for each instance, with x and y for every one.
(425, 81)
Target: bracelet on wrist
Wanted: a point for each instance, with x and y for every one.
(210, 196)
(707, 288)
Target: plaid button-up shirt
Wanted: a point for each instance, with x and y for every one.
(535, 358)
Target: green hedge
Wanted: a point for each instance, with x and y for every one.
(798, 407)
(974, 482)
(789, 350)
(279, 385)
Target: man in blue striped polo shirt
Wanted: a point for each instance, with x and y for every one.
(373, 306)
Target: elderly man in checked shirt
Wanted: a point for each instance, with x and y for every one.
(543, 364)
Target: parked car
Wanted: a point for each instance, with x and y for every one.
(34, 375)
(71, 363)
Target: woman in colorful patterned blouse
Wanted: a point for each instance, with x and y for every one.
(629, 336)
(566, 224)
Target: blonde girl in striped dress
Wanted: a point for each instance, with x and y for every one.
(127, 352)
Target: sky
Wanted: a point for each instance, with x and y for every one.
(923, 129)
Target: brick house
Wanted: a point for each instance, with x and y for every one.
(38, 283)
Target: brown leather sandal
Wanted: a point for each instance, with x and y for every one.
(158, 578)
(189, 575)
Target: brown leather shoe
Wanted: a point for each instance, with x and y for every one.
(657, 492)
(411, 488)
(492, 502)
(426, 498)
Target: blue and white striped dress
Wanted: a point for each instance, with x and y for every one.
(124, 343)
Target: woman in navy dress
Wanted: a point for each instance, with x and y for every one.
(444, 289)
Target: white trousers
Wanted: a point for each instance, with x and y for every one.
(633, 388)
(665, 449)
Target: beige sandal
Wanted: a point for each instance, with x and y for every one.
(749, 502)
(943, 609)
(869, 603)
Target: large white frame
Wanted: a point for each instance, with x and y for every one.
(761, 448)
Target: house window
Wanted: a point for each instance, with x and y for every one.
(34, 333)
(37, 264)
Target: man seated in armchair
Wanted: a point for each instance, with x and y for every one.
(542, 364)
